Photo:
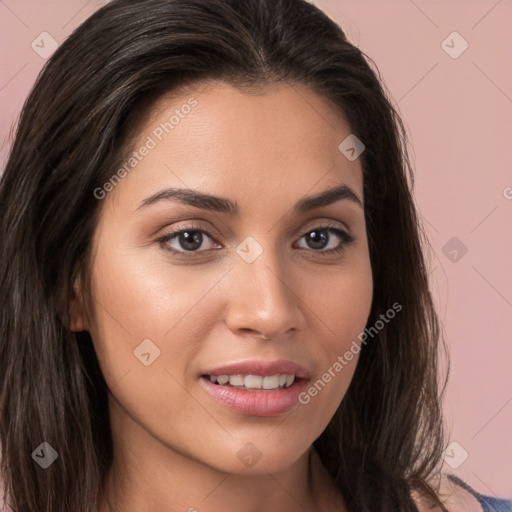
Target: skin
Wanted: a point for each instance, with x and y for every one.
(175, 447)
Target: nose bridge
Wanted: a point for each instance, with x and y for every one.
(262, 300)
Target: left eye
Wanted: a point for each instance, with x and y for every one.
(319, 240)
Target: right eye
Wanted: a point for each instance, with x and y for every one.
(185, 240)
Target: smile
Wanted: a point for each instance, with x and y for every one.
(257, 387)
(254, 381)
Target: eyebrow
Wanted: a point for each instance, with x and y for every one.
(232, 208)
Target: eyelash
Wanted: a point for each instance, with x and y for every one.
(346, 238)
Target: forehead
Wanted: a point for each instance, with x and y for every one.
(277, 113)
(212, 136)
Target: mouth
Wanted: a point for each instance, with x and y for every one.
(256, 388)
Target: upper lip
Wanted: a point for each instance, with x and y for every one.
(262, 368)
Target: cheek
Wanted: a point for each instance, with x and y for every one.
(341, 306)
(148, 313)
(341, 302)
(150, 320)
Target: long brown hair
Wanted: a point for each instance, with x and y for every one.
(386, 438)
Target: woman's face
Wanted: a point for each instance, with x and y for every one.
(260, 288)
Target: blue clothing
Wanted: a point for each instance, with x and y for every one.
(489, 503)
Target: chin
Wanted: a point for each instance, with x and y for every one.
(258, 458)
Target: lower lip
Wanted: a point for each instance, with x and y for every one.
(260, 402)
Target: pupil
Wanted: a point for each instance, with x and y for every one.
(318, 239)
(189, 238)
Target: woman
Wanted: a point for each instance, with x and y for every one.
(213, 290)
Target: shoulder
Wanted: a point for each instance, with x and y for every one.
(487, 503)
(456, 496)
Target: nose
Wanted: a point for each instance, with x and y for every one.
(263, 299)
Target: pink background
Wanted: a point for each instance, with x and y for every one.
(458, 112)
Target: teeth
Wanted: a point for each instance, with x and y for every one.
(222, 379)
(254, 381)
(271, 382)
(236, 380)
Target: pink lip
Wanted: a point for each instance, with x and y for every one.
(258, 402)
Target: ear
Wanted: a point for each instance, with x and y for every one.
(77, 316)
